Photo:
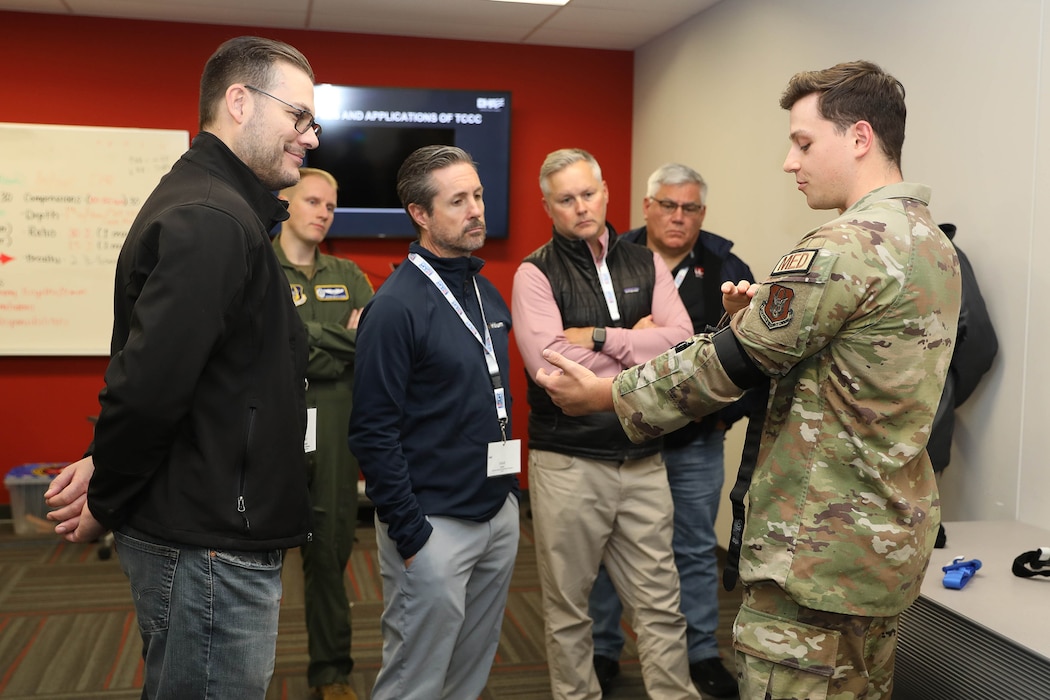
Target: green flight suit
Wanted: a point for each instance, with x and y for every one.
(324, 303)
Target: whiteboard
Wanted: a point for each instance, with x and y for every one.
(68, 195)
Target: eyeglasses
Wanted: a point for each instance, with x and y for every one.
(668, 206)
(303, 119)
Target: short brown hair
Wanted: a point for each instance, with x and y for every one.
(414, 184)
(244, 59)
(852, 92)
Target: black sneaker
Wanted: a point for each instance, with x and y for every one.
(606, 669)
(712, 678)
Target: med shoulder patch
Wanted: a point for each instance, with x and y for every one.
(795, 262)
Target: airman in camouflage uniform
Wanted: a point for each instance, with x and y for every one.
(855, 326)
(853, 329)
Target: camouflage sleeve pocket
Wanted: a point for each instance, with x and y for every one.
(654, 370)
(667, 392)
(795, 659)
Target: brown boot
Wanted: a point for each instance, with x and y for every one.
(333, 691)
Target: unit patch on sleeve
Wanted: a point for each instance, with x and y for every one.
(331, 292)
(795, 262)
(298, 297)
(776, 312)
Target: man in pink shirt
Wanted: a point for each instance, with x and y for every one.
(597, 498)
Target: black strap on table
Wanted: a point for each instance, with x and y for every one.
(748, 459)
(1034, 563)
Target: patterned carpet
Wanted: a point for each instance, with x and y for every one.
(67, 627)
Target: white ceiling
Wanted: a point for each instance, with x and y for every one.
(604, 24)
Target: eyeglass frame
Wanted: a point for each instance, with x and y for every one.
(669, 206)
(300, 114)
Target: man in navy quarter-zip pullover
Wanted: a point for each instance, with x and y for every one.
(431, 430)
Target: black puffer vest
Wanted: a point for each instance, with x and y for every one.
(569, 267)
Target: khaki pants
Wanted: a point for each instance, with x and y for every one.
(784, 651)
(591, 511)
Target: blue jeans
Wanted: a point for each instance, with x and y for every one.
(695, 473)
(208, 618)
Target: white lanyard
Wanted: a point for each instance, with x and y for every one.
(679, 276)
(607, 289)
(490, 355)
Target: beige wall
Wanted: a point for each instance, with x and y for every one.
(976, 75)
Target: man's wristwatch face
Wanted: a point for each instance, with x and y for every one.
(598, 338)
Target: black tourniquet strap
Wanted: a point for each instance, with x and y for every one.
(748, 459)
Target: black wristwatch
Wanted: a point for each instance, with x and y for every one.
(598, 338)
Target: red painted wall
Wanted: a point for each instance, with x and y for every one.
(102, 72)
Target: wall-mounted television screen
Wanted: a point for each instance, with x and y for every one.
(367, 132)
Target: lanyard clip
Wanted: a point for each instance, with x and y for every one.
(959, 572)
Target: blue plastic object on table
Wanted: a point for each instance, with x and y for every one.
(960, 571)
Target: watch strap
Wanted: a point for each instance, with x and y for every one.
(598, 338)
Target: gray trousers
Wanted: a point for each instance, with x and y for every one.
(442, 615)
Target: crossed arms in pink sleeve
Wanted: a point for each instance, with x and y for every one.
(538, 325)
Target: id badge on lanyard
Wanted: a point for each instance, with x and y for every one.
(504, 457)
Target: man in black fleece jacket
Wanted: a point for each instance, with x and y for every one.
(197, 463)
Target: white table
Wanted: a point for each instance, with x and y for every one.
(987, 640)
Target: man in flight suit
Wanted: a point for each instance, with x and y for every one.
(328, 293)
